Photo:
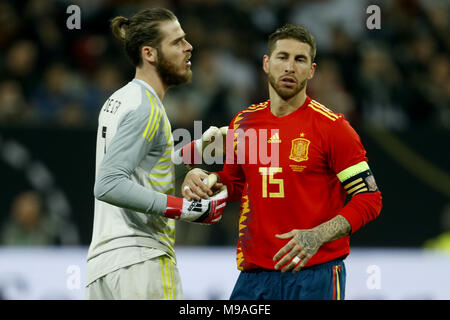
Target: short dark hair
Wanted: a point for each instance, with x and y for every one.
(140, 30)
(292, 31)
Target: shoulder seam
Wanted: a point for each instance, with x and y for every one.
(324, 111)
(253, 108)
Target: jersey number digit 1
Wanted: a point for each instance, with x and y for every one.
(104, 137)
(269, 172)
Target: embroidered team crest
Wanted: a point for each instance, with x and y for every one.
(299, 149)
(371, 184)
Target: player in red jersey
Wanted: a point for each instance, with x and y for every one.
(294, 214)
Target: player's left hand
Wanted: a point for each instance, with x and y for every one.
(303, 244)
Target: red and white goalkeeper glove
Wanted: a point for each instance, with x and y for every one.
(200, 211)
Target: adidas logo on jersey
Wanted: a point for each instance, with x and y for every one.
(275, 138)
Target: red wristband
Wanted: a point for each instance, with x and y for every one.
(174, 207)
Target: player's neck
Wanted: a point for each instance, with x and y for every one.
(280, 107)
(151, 77)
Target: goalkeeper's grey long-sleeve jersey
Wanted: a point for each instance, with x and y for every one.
(134, 173)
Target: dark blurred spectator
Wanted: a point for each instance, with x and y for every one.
(20, 64)
(59, 97)
(28, 224)
(438, 89)
(327, 87)
(14, 108)
(9, 23)
(320, 18)
(380, 88)
(105, 80)
(394, 82)
(344, 54)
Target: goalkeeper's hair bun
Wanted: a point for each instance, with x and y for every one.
(118, 26)
(141, 29)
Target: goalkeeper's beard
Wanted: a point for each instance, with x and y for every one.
(168, 72)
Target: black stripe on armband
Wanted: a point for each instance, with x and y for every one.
(362, 182)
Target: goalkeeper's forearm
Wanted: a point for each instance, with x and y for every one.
(125, 193)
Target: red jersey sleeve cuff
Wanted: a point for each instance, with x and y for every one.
(234, 188)
(352, 216)
(222, 177)
(361, 209)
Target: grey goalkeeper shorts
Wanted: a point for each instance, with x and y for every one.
(154, 279)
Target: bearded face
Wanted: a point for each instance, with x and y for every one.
(289, 67)
(172, 73)
(286, 87)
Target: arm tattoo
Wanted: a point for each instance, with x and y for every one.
(310, 241)
(333, 229)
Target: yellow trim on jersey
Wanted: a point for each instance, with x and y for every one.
(353, 171)
(162, 166)
(240, 116)
(163, 278)
(171, 190)
(323, 108)
(161, 183)
(171, 231)
(322, 112)
(167, 128)
(167, 238)
(159, 174)
(167, 276)
(240, 259)
(166, 159)
(174, 295)
(168, 230)
(154, 128)
(169, 283)
(338, 287)
(168, 151)
(252, 108)
(144, 135)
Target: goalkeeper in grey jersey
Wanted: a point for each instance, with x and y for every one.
(131, 255)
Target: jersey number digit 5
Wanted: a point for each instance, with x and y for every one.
(269, 172)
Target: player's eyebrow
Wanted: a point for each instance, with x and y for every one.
(284, 53)
(178, 39)
(301, 56)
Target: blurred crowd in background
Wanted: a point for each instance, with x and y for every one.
(397, 77)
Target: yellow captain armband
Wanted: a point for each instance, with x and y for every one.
(357, 179)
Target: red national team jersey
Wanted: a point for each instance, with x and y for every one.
(299, 188)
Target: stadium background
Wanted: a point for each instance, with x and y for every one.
(392, 84)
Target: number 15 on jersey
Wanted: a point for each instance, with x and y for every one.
(267, 174)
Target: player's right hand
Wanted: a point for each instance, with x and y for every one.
(194, 187)
(198, 211)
